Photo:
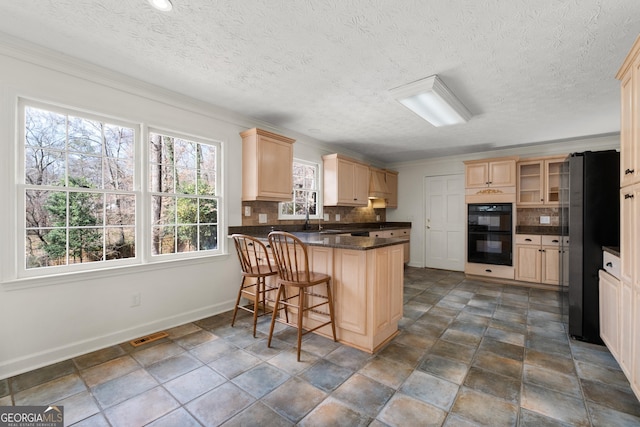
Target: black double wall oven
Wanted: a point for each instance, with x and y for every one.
(490, 233)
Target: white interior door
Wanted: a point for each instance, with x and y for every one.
(444, 222)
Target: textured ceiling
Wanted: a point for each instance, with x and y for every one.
(529, 70)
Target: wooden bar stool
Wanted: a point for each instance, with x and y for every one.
(292, 261)
(256, 267)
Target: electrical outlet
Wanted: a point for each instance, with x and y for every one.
(337, 217)
(136, 299)
(247, 211)
(262, 218)
(545, 219)
(326, 217)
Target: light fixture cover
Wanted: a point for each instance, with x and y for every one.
(162, 5)
(430, 99)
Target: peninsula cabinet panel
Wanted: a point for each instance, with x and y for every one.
(267, 166)
(349, 279)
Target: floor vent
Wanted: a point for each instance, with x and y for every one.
(148, 338)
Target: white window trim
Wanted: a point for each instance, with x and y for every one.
(319, 212)
(22, 277)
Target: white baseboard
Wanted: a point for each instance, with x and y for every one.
(30, 362)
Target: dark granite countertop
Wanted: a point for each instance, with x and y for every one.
(614, 250)
(332, 237)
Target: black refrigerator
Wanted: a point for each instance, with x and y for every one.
(594, 221)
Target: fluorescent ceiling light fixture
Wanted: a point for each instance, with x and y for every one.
(162, 5)
(430, 99)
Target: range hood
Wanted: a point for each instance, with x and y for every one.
(378, 184)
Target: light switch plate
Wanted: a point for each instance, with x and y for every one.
(326, 217)
(337, 217)
(262, 218)
(545, 219)
(247, 211)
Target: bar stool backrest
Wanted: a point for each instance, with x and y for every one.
(252, 254)
(291, 257)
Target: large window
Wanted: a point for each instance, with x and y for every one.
(83, 205)
(184, 206)
(305, 192)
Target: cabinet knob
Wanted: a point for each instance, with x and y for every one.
(629, 171)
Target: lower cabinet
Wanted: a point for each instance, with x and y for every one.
(609, 312)
(404, 233)
(538, 258)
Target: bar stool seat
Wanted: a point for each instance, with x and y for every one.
(297, 285)
(256, 268)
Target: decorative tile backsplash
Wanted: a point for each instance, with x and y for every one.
(531, 216)
(347, 214)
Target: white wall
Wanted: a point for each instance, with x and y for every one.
(411, 180)
(47, 320)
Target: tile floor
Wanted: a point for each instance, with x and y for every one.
(469, 353)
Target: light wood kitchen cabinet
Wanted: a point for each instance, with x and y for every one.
(538, 258)
(609, 289)
(378, 183)
(346, 181)
(383, 188)
(629, 76)
(392, 187)
(543, 181)
(404, 233)
(487, 173)
(267, 166)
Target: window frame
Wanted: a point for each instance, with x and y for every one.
(319, 202)
(140, 191)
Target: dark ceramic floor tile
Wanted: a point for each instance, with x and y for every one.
(331, 412)
(182, 330)
(498, 364)
(430, 389)
(258, 414)
(234, 363)
(260, 349)
(567, 384)
(603, 416)
(404, 410)
(4, 387)
(98, 357)
(287, 361)
(514, 338)
(97, 420)
(448, 369)
(468, 327)
(195, 339)
(193, 384)
(595, 354)
(610, 377)
(318, 345)
(294, 399)
(52, 391)
(349, 357)
(142, 409)
(173, 367)
(611, 397)
(78, 407)
(503, 349)
(483, 409)
(212, 350)
(363, 395)
(122, 388)
(558, 363)
(219, 405)
(463, 338)
(156, 353)
(497, 385)
(179, 417)
(326, 376)
(508, 326)
(42, 375)
(453, 351)
(554, 405)
(534, 419)
(386, 371)
(417, 341)
(260, 380)
(402, 354)
(109, 370)
(548, 345)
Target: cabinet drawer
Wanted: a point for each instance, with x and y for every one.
(551, 240)
(528, 239)
(611, 264)
(489, 270)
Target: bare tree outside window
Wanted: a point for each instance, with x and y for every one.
(184, 205)
(79, 181)
(305, 192)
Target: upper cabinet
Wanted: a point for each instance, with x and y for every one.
(629, 76)
(392, 186)
(542, 181)
(346, 181)
(267, 166)
(490, 173)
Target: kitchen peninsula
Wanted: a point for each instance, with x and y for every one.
(367, 284)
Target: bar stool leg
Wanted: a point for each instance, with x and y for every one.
(235, 309)
(275, 313)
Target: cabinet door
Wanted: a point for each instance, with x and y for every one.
(556, 173)
(628, 220)
(528, 263)
(360, 184)
(609, 312)
(551, 265)
(627, 329)
(502, 173)
(275, 169)
(476, 175)
(346, 175)
(530, 183)
(635, 368)
(392, 186)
